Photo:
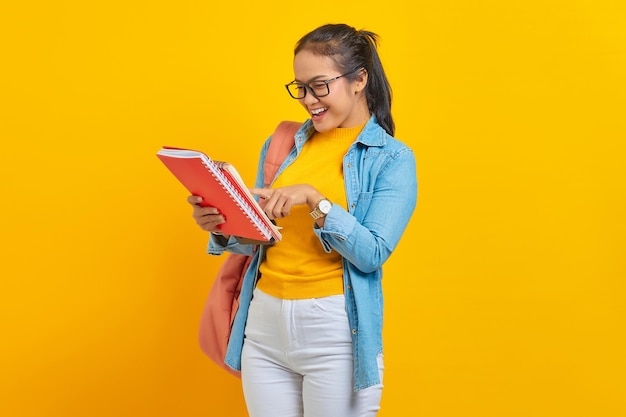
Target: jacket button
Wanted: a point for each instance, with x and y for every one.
(353, 331)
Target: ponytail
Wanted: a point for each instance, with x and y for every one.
(378, 90)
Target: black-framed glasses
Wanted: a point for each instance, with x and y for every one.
(318, 88)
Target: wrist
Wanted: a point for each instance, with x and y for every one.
(314, 199)
(322, 208)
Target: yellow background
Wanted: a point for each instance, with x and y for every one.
(506, 295)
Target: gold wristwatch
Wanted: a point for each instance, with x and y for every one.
(322, 209)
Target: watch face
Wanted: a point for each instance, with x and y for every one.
(325, 206)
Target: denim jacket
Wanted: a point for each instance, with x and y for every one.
(381, 190)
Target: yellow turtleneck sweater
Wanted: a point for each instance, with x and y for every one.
(297, 267)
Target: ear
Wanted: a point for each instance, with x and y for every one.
(361, 81)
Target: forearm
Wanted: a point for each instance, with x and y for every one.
(367, 235)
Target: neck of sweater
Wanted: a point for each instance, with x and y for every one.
(340, 134)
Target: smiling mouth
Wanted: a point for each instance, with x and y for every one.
(318, 112)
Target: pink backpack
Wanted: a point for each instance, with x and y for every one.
(223, 300)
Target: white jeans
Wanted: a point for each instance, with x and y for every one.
(297, 360)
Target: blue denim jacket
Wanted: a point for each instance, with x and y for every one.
(381, 190)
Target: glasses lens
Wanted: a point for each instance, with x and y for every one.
(296, 90)
(320, 88)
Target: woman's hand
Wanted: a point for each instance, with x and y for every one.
(208, 218)
(279, 201)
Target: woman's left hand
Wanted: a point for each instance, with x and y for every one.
(279, 201)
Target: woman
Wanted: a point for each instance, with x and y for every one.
(308, 334)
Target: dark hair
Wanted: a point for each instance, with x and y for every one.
(352, 50)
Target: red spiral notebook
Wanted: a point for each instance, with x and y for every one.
(220, 185)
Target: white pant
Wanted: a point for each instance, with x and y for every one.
(297, 360)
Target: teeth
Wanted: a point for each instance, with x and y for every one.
(318, 111)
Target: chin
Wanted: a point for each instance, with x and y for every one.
(323, 126)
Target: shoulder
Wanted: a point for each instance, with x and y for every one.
(377, 140)
(396, 145)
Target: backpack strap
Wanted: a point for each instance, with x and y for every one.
(281, 144)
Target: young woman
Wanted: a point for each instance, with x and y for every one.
(308, 334)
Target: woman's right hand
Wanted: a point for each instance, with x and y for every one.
(208, 218)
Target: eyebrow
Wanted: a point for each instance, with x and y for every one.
(312, 79)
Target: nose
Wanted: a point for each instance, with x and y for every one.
(309, 98)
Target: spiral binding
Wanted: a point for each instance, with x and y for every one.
(215, 168)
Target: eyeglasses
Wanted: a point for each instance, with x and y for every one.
(318, 88)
